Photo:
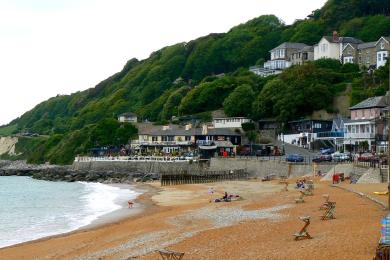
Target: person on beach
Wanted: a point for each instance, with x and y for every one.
(211, 193)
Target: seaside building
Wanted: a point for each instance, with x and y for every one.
(366, 124)
(174, 139)
(230, 122)
(302, 56)
(127, 118)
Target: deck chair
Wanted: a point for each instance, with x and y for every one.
(303, 234)
(326, 203)
(300, 199)
(170, 255)
(329, 213)
(382, 252)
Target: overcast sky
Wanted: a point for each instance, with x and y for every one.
(50, 47)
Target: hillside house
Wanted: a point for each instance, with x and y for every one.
(365, 123)
(127, 118)
(281, 55)
(331, 47)
(367, 55)
(302, 56)
(382, 47)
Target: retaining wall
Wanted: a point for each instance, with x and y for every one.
(261, 168)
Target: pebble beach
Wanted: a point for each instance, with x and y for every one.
(258, 225)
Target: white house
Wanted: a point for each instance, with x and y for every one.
(127, 118)
(382, 51)
(331, 47)
(230, 122)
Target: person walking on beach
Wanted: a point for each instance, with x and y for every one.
(211, 193)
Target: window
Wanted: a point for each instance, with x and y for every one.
(154, 138)
(379, 57)
(324, 47)
(382, 45)
(188, 138)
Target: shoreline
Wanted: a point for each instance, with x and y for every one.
(141, 205)
(182, 219)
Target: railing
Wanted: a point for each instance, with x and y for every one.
(359, 135)
(330, 135)
(167, 143)
(133, 159)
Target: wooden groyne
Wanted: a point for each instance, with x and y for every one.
(177, 178)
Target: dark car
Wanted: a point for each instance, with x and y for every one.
(322, 158)
(294, 158)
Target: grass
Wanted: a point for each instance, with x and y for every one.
(8, 130)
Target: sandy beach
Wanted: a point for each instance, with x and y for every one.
(260, 225)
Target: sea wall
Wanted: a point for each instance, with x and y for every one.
(260, 168)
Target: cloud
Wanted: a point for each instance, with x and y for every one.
(59, 47)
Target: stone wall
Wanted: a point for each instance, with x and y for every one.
(135, 167)
(261, 168)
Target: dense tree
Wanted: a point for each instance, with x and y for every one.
(239, 102)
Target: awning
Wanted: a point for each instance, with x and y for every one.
(224, 144)
(207, 147)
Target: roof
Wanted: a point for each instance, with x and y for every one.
(371, 102)
(350, 121)
(366, 45)
(290, 45)
(177, 130)
(223, 144)
(309, 120)
(128, 114)
(383, 37)
(343, 40)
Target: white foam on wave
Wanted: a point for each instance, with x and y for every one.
(96, 200)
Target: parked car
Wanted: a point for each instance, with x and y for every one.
(329, 150)
(294, 158)
(368, 157)
(322, 158)
(341, 157)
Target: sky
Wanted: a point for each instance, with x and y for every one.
(51, 47)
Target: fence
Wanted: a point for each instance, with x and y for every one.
(202, 177)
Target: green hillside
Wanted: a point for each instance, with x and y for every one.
(184, 79)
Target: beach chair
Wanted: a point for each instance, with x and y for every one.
(326, 204)
(303, 234)
(300, 199)
(329, 213)
(382, 252)
(170, 255)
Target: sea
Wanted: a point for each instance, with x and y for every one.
(32, 209)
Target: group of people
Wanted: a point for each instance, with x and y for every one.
(300, 184)
(226, 197)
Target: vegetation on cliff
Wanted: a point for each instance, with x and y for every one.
(210, 73)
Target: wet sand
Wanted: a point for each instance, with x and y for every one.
(260, 225)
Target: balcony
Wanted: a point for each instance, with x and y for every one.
(166, 143)
(359, 135)
(327, 135)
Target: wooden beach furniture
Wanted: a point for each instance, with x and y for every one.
(170, 255)
(300, 199)
(382, 252)
(303, 234)
(325, 205)
(329, 213)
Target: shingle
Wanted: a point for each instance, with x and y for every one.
(290, 45)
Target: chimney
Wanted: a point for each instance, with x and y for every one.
(165, 127)
(335, 36)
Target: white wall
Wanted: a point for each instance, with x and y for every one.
(332, 50)
(229, 122)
